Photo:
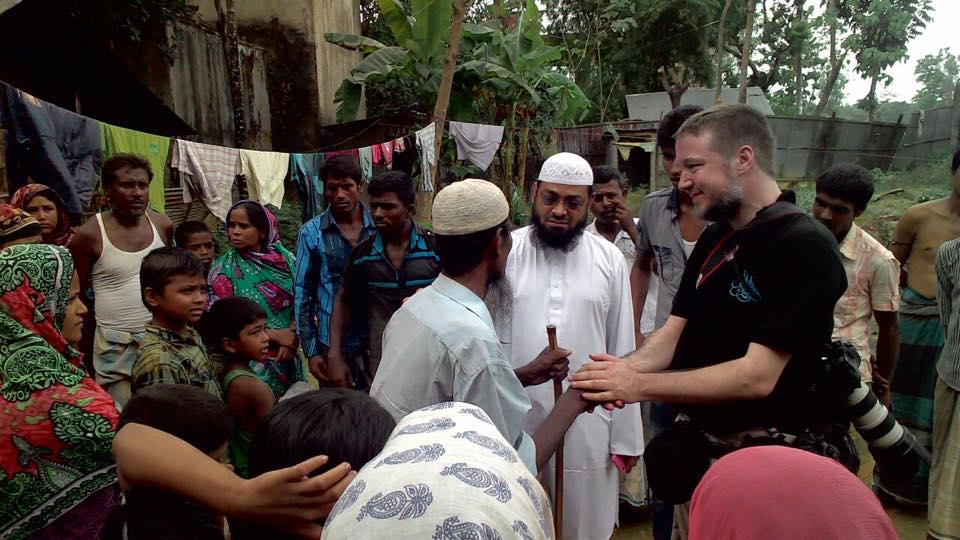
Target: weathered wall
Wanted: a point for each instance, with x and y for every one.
(292, 30)
(200, 88)
(333, 63)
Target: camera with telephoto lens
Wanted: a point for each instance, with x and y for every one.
(894, 448)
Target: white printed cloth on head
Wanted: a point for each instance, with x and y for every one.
(476, 142)
(265, 173)
(211, 170)
(426, 141)
(446, 472)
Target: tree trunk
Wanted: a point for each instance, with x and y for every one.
(522, 157)
(955, 128)
(446, 83)
(798, 62)
(835, 62)
(721, 38)
(745, 53)
(227, 22)
(872, 100)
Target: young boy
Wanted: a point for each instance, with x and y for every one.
(195, 237)
(240, 336)
(200, 420)
(173, 288)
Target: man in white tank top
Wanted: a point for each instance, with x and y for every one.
(107, 252)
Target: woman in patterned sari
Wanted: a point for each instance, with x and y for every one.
(57, 477)
(43, 203)
(258, 267)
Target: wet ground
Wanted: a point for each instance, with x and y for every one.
(911, 524)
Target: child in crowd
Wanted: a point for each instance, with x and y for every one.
(195, 237)
(173, 288)
(346, 425)
(198, 419)
(240, 337)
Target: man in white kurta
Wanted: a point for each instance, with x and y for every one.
(583, 289)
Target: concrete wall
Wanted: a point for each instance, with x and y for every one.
(928, 137)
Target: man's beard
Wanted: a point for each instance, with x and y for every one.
(564, 241)
(499, 299)
(726, 207)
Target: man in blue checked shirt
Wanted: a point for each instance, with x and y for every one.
(322, 252)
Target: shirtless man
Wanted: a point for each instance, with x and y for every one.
(919, 234)
(107, 252)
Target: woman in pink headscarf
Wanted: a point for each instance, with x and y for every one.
(778, 492)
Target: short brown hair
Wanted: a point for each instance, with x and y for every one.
(733, 126)
(118, 162)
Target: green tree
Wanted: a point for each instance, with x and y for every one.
(618, 47)
(881, 33)
(936, 74)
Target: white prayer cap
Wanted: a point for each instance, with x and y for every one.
(566, 168)
(468, 206)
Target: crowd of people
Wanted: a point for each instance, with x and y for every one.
(441, 401)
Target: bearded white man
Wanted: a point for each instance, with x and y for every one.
(753, 313)
(441, 346)
(579, 283)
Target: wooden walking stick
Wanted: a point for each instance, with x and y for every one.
(558, 457)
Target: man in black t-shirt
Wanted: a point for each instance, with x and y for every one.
(755, 305)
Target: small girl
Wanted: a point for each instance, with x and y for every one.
(240, 337)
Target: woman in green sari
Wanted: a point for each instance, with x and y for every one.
(258, 267)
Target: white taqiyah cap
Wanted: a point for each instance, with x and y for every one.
(566, 168)
(468, 206)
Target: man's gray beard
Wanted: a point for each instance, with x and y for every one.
(565, 242)
(726, 208)
(499, 300)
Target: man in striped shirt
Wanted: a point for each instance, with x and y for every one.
(944, 494)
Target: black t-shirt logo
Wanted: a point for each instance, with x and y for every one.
(744, 289)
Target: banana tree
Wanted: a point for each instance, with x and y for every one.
(418, 55)
(511, 79)
(503, 76)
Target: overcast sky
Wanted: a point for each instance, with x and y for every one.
(943, 31)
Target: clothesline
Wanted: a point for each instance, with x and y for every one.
(208, 171)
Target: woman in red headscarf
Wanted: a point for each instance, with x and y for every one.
(43, 203)
(779, 492)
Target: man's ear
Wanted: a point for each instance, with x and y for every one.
(745, 159)
(228, 346)
(151, 297)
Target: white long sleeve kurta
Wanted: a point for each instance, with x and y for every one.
(586, 294)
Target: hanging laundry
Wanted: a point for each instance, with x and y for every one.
(351, 152)
(399, 145)
(377, 154)
(426, 138)
(265, 172)
(476, 142)
(153, 148)
(210, 171)
(52, 146)
(305, 175)
(386, 150)
(366, 163)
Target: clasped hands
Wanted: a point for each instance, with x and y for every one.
(608, 380)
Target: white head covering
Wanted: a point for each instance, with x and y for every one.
(468, 206)
(446, 472)
(566, 168)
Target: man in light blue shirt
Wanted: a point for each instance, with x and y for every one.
(441, 345)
